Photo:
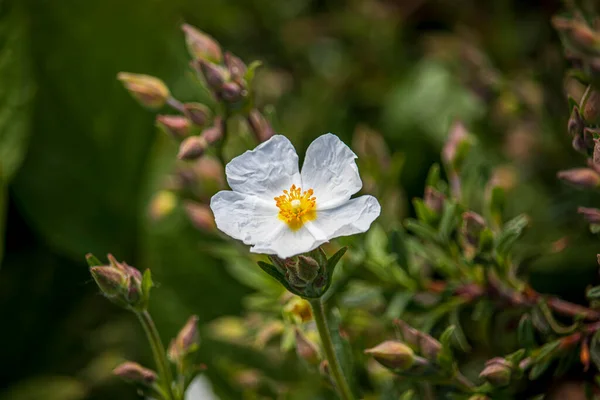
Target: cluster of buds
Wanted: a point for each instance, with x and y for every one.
(306, 275)
(121, 283)
(581, 42)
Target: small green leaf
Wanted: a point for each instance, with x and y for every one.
(448, 221)
(92, 260)
(525, 333)
(251, 71)
(271, 270)
(147, 284)
(538, 369)
(433, 177)
(593, 293)
(512, 230)
(333, 261)
(424, 213)
(421, 230)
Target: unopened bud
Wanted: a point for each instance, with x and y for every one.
(457, 146)
(497, 372)
(575, 125)
(213, 133)
(582, 177)
(408, 334)
(591, 215)
(200, 215)
(579, 144)
(214, 75)
(393, 354)
(299, 308)
(232, 92)
(148, 90)
(134, 290)
(198, 113)
(429, 347)
(308, 268)
(579, 36)
(434, 200)
(192, 148)
(260, 126)
(134, 372)
(162, 204)
(306, 349)
(200, 45)
(174, 125)
(111, 281)
(186, 342)
(473, 225)
(591, 108)
(237, 68)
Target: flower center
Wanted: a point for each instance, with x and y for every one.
(296, 207)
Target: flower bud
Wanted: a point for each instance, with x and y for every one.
(473, 225)
(200, 45)
(134, 372)
(457, 146)
(192, 148)
(429, 347)
(175, 125)
(198, 113)
(236, 67)
(408, 334)
(200, 215)
(162, 204)
(591, 108)
(393, 354)
(214, 75)
(434, 200)
(110, 280)
(575, 125)
(149, 91)
(260, 126)
(232, 92)
(497, 372)
(186, 341)
(582, 177)
(591, 215)
(578, 143)
(306, 349)
(134, 290)
(213, 133)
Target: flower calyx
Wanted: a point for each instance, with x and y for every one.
(306, 275)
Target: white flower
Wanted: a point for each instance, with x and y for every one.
(279, 210)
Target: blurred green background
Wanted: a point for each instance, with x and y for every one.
(80, 160)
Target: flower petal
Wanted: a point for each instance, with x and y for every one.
(243, 217)
(287, 243)
(330, 170)
(354, 216)
(265, 171)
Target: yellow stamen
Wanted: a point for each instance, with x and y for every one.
(296, 207)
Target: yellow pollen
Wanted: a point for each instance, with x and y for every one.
(296, 207)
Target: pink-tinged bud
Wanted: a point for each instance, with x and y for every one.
(134, 372)
(591, 215)
(457, 146)
(585, 178)
(434, 200)
(429, 347)
(213, 133)
(111, 281)
(174, 125)
(198, 113)
(134, 291)
(192, 148)
(426, 344)
(200, 45)
(306, 349)
(408, 334)
(232, 92)
(214, 75)
(200, 215)
(579, 144)
(148, 90)
(186, 342)
(497, 372)
(393, 354)
(236, 67)
(575, 125)
(260, 126)
(591, 109)
(473, 225)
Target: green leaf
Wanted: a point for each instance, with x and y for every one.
(92, 260)
(448, 221)
(593, 293)
(421, 230)
(147, 285)
(459, 335)
(525, 333)
(538, 369)
(433, 176)
(512, 230)
(251, 71)
(333, 262)
(271, 270)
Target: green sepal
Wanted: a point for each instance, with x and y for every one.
(92, 260)
(147, 284)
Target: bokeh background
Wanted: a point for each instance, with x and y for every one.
(80, 160)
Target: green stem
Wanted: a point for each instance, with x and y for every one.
(159, 353)
(334, 364)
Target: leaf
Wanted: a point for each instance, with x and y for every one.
(512, 230)
(538, 369)
(147, 285)
(459, 334)
(333, 262)
(433, 176)
(274, 273)
(525, 333)
(92, 260)
(398, 304)
(251, 71)
(593, 293)
(448, 221)
(421, 230)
